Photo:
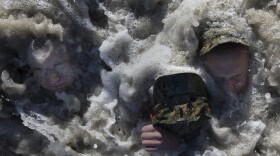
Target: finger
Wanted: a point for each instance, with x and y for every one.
(148, 128)
(152, 143)
(151, 149)
(151, 136)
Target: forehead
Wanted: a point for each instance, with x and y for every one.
(57, 54)
(227, 51)
(227, 61)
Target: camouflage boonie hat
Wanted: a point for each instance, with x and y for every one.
(217, 36)
(180, 103)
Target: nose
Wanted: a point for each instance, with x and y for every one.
(228, 87)
(53, 78)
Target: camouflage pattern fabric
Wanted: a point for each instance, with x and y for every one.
(181, 103)
(217, 36)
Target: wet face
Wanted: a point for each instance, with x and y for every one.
(56, 72)
(229, 68)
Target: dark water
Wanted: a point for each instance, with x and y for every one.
(117, 49)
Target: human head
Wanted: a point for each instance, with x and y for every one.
(228, 64)
(52, 64)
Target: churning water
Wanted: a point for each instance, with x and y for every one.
(138, 40)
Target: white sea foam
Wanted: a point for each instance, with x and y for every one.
(112, 123)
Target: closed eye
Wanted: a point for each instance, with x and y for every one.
(218, 79)
(58, 64)
(238, 76)
(37, 69)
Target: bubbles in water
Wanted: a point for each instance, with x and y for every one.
(95, 146)
(141, 41)
(267, 96)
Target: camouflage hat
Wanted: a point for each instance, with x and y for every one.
(180, 103)
(217, 36)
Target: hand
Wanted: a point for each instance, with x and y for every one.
(156, 139)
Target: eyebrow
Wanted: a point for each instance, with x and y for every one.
(239, 73)
(233, 75)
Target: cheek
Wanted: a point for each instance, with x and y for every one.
(244, 83)
(214, 70)
(69, 79)
(39, 76)
(67, 70)
(42, 79)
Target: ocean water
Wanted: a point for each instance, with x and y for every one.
(138, 41)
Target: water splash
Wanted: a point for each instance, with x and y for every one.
(142, 40)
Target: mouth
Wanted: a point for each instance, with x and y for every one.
(57, 87)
